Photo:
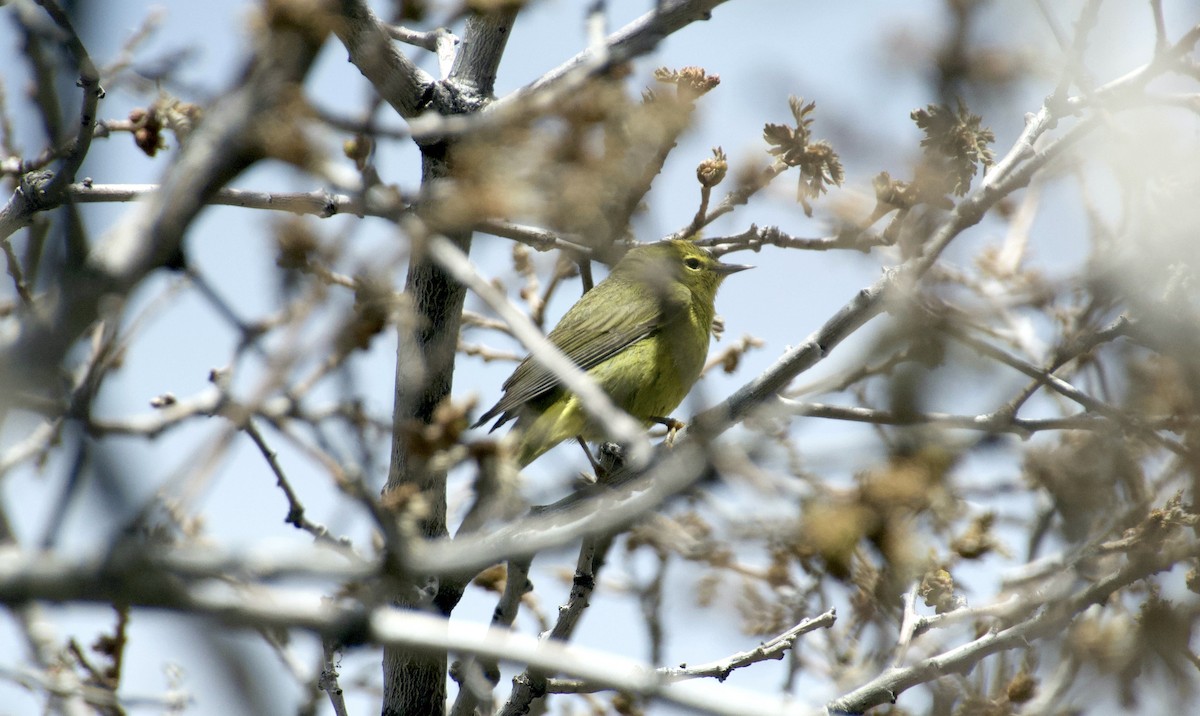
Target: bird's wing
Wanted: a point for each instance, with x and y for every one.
(588, 337)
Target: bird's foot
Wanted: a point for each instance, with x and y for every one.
(673, 428)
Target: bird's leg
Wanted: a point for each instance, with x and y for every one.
(673, 427)
(596, 467)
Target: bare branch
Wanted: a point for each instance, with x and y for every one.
(1069, 391)
(105, 579)
(89, 82)
(295, 515)
(487, 33)
(223, 146)
(887, 686)
(431, 40)
(773, 649)
(992, 422)
(755, 237)
(400, 83)
(636, 38)
(318, 202)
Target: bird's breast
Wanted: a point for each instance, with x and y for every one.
(651, 377)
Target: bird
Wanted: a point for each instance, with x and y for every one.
(642, 334)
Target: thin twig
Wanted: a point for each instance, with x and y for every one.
(295, 515)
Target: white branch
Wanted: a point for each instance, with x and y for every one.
(107, 577)
(772, 649)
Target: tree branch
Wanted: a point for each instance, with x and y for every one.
(885, 688)
(399, 82)
(135, 579)
(221, 148)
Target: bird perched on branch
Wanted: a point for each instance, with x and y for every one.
(642, 334)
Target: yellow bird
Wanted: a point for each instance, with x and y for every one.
(642, 334)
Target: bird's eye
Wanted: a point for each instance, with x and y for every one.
(693, 263)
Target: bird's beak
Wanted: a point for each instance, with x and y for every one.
(726, 269)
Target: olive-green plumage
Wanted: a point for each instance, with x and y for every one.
(642, 334)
